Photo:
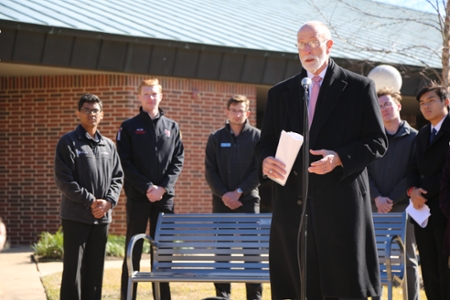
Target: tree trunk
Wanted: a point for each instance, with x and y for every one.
(446, 46)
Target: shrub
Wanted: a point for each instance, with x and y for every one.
(115, 246)
(49, 245)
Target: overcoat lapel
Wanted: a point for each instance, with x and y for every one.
(332, 86)
(294, 101)
(423, 142)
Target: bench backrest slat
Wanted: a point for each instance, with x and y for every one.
(223, 241)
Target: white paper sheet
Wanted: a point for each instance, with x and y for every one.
(419, 215)
(288, 148)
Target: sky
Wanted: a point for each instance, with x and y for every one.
(422, 5)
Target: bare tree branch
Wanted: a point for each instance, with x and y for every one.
(366, 13)
(441, 24)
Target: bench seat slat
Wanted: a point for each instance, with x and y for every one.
(201, 277)
(214, 264)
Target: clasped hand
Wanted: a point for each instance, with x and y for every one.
(383, 204)
(231, 200)
(100, 207)
(155, 193)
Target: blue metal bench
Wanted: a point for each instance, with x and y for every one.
(390, 232)
(206, 248)
(235, 248)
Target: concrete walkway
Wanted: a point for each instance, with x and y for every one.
(20, 276)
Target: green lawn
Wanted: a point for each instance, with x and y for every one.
(180, 291)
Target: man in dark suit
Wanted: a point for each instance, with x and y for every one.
(423, 178)
(445, 203)
(346, 135)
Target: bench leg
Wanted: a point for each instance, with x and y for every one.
(130, 290)
(390, 285)
(157, 291)
(405, 285)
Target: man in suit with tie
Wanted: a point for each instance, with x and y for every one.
(346, 135)
(423, 179)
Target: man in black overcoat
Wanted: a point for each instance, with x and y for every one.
(346, 135)
(424, 179)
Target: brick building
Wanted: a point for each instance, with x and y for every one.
(37, 111)
(202, 52)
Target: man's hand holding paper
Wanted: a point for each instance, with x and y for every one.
(417, 208)
(420, 215)
(417, 199)
(274, 168)
(279, 168)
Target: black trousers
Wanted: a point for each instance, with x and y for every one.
(254, 290)
(434, 265)
(84, 259)
(138, 215)
(363, 298)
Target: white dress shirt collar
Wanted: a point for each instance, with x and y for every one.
(438, 126)
(322, 74)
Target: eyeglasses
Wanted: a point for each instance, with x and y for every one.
(312, 44)
(88, 111)
(237, 111)
(386, 105)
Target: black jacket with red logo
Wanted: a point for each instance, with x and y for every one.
(152, 153)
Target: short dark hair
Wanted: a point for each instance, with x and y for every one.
(395, 95)
(238, 99)
(440, 90)
(89, 98)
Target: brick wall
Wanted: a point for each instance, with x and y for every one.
(36, 111)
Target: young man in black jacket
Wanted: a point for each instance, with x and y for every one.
(89, 176)
(387, 177)
(232, 174)
(152, 156)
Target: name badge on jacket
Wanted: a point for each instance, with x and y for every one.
(224, 145)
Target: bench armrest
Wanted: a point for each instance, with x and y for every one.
(394, 239)
(130, 248)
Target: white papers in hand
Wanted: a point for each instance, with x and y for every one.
(419, 215)
(288, 147)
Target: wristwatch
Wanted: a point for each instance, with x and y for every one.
(239, 190)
